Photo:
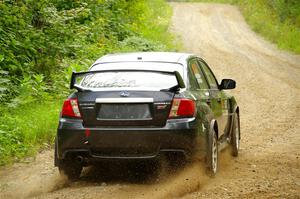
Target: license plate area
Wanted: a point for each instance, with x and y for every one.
(124, 111)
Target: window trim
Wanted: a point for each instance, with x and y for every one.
(189, 71)
(201, 60)
(121, 70)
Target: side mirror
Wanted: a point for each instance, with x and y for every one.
(227, 84)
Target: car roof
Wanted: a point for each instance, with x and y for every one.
(170, 57)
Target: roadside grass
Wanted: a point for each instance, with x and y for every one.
(267, 22)
(153, 26)
(157, 27)
(26, 129)
(277, 21)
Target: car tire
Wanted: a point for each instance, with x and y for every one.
(235, 137)
(70, 169)
(212, 154)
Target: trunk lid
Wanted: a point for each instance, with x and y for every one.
(125, 108)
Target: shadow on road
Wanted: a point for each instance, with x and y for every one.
(149, 172)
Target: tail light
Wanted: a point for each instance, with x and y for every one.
(70, 108)
(182, 107)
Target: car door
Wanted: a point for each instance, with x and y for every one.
(219, 101)
(200, 89)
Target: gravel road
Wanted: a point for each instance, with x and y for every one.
(268, 92)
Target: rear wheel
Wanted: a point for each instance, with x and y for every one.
(235, 137)
(212, 154)
(71, 169)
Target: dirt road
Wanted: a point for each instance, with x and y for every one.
(268, 91)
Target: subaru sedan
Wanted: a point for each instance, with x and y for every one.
(143, 106)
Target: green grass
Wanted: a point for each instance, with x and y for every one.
(158, 24)
(153, 25)
(276, 20)
(267, 22)
(24, 130)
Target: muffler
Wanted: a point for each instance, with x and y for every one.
(79, 159)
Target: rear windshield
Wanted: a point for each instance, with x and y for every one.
(129, 79)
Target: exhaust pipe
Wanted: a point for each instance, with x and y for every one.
(79, 159)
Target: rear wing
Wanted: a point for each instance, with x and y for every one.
(75, 75)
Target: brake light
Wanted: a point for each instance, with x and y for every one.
(70, 108)
(182, 107)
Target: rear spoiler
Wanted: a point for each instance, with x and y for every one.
(73, 84)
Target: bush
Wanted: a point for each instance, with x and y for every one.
(141, 44)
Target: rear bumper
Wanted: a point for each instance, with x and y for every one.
(178, 135)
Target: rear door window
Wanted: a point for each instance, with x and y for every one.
(209, 75)
(197, 74)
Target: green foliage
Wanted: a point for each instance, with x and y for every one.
(41, 42)
(25, 129)
(276, 20)
(5, 85)
(140, 44)
(32, 88)
(286, 10)
(44, 37)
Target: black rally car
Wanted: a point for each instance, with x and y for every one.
(138, 106)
